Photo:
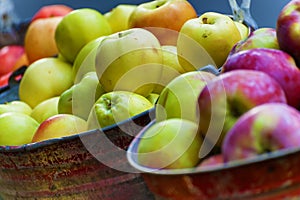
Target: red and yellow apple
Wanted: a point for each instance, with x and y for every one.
(52, 10)
(9, 55)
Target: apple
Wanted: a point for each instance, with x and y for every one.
(116, 106)
(167, 16)
(80, 98)
(89, 22)
(43, 79)
(15, 106)
(264, 37)
(85, 59)
(52, 10)
(39, 39)
(243, 29)
(129, 60)
(216, 33)
(223, 100)
(175, 102)
(211, 161)
(16, 128)
(59, 125)
(45, 109)
(287, 31)
(169, 144)
(118, 17)
(171, 67)
(8, 57)
(153, 97)
(276, 63)
(263, 129)
(4, 79)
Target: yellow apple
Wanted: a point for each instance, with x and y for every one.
(15, 106)
(118, 17)
(129, 60)
(45, 109)
(16, 128)
(45, 78)
(215, 32)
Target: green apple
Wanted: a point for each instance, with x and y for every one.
(118, 17)
(45, 109)
(77, 28)
(180, 96)
(116, 106)
(16, 128)
(59, 125)
(43, 79)
(129, 60)
(170, 144)
(80, 98)
(85, 59)
(15, 106)
(153, 97)
(216, 33)
(171, 67)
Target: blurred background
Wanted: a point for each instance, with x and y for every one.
(265, 12)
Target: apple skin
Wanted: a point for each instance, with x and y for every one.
(59, 125)
(263, 129)
(215, 32)
(171, 67)
(174, 100)
(16, 129)
(80, 98)
(159, 14)
(157, 145)
(129, 60)
(223, 100)
(51, 11)
(287, 29)
(116, 106)
(276, 63)
(243, 29)
(45, 109)
(211, 161)
(118, 17)
(43, 79)
(15, 106)
(264, 37)
(9, 55)
(89, 22)
(39, 41)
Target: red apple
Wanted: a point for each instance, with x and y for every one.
(276, 63)
(224, 99)
(9, 55)
(167, 16)
(4, 79)
(265, 128)
(51, 11)
(211, 161)
(287, 29)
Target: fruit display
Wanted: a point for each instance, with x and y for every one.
(129, 96)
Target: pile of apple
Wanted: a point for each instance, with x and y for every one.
(89, 70)
(250, 108)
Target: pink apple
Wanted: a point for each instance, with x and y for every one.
(53, 10)
(265, 128)
(9, 55)
(287, 29)
(224, 99)
(276, 63)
